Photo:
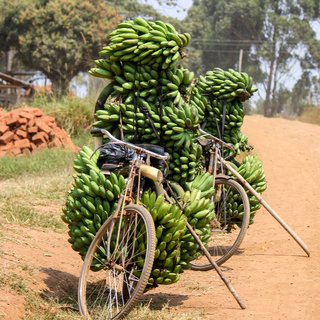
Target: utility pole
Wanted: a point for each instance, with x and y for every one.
(240, 59)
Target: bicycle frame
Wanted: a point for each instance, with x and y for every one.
(216, 159)
(138, 168)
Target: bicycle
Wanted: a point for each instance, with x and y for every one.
(117, 266)
(226, 233)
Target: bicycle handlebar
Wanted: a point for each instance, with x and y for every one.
(227, 145)
(127, 144)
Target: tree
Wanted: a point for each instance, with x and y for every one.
(275, 35)
(62, 37)
(287, 34)
(221, 28)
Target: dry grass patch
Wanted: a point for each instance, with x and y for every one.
(35, 201)
(310, 115)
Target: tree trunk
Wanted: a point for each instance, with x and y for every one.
(267, 102)
(60, 86)
(9, 59)
(275, 107)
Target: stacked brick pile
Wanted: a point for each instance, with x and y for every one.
(25, 130)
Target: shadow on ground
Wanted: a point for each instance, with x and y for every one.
(157, 301)
(61, 286)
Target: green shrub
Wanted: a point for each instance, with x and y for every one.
(73, 114)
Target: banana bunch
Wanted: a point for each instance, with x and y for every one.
(201, 102)
(144, 42)
(90, 201)
(175, 84)
(199, 210)
(136, 81)
(109, 116)
(170, 227)
(234, 113)
(251, 169)
(227, 84)
(181, 124)
(106, 69)
(238, 140)
(184, 163)
(150, 84)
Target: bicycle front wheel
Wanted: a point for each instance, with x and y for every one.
(117, 265)
(232, 213)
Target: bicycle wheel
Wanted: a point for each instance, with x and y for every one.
(117, 265)
(229, 227)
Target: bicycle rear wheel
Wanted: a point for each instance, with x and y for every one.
(229, 227)
(117, 265)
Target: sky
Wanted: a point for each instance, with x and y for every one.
(179, 12)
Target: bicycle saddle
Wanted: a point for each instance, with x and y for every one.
(152, 147)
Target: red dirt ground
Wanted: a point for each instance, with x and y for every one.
(273, 276)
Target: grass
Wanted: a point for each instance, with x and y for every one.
(19, 214)
(143, 312)
(310, 115)
(14, 281)
(41, 162)
(40, 306)
(35, 197)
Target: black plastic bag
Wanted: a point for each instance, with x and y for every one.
(115, 153)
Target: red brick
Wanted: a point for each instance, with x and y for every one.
(26, 151)
(22, 144)
(48, 119)
(12, 120)
(42, 145)
(59, 133)
(3, 128)
(7, 137)
(6, 147)
(33, 146)
(16, 137)
(33, 130)
(43, 126)
(21, 133)
(3, 153)
(37, 112)
(26, 115)
(15, 151)
(31, 123)
(22, 121)
(55, 143)
(40, 137)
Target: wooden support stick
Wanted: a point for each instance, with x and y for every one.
(268, 207)
(220, 273)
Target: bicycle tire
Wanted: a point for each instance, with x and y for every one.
(93, 291)
(224, 243)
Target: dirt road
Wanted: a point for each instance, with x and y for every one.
(273, 276)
